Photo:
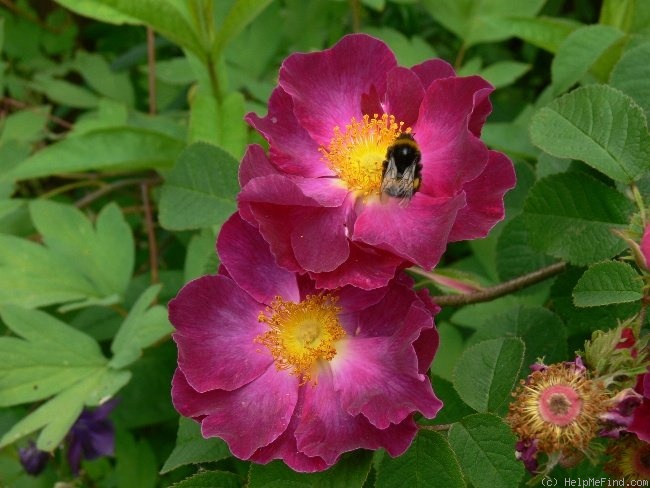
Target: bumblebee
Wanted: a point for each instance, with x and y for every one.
(401, 175)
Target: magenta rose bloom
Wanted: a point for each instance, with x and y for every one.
(280, 370)
(321, 198)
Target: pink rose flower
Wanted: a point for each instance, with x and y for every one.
(333, 118)
(281, 370)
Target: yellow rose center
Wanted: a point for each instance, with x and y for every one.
(356, 154)
(301, 335)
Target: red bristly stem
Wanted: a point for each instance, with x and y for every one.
(501, 289)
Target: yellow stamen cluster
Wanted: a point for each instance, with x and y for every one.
(357, 153)
(302, 334)
(548, 422)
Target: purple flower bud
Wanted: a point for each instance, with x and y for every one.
(33, 459)
(91, 436)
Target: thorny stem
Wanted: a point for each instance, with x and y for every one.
(151, 235)
(502, 289)
(111, 187)
(22, 105)
(151, 62)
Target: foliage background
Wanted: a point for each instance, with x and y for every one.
(120, 134)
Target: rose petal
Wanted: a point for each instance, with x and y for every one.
(451, 154)
(484, 199)
(216, 324)
(248, 259)
(378, 376)
(327, 86)
(255, 163)
(384, 318)
(417, 233)
(291, 147)
(247, 418)
(325, 430)
(285, 447)
(433, 69)
(296, 236)
(404, 93)
(284, 190)
(365, 268)
(377, 387)
(427, 344)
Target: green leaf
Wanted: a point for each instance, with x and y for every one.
(512, 138)
(570, 216)
(165, 18)
(515, 256)
(579, 51)
(350, 471)
(200, 190)
(598, 125)
(24, 280)
(627, 15)
(25, 126)
(210, 479)
(145, 399)
(409, 51)
(586, 320)
(542, 331)
(78, 262)
(428, 461)
(608, 283)
(221, 124)
(631, 75)
(51, 359)
(120, 148)
(192, 448)
(545, 32)
(477, 315)
(485, 446)
(141, 328)
(95, 10)
(175, 71)
(103, 254)
(99, 75)
(64, 92)
(504, 73)
(476, 21)
(201, 258)
(136, 462)
(486, 372)
(239, 16)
